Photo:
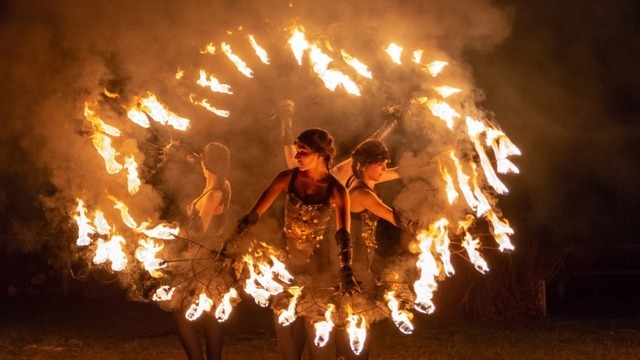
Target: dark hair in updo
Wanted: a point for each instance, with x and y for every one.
(320, 142)
(216, 159)
(368, 152)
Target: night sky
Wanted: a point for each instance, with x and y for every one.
(560, 78)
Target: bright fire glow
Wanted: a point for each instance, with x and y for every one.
(208, 49)
(224, 308)
(204, 303)
(288, 315)
(417, 56)
(401, 318)
(102, 143)
(395, 52)
(84, 228)
(323, 328)
(205, 104)
(179, 74)
(259, 294)
(235, 59)
(213, 83)
(298, 44)
(158, 112)
(472, 245)
(111, 250)
(500, 230)
(502, 148)
(446, 91)
(426, 284)
(331, 78)
(98, 124)
(463, 183)
(475, 129)
(133, 181)
(146, 254)
(164, 293)
(102, 226)
(452, 194)
(357, 330)
(260, 51)
(483, 203)
(435, 68)
(442, 110)
(442, 242)
(161, 231)
(138, 116)
(124, 212)
(357, 65)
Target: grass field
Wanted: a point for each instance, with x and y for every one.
(116, 329)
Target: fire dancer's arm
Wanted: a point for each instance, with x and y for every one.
(284, 112)
(340, 199)
(372, 202)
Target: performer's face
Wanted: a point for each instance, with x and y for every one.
(305, 157)
(375, 171)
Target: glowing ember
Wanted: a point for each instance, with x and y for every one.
(213, 83)
(401, 318)
(133, 181)
(235, 59)
(260, 51)
(323, 328)
(179, 74)
(395, 52)
(84, 228)
(224, 308)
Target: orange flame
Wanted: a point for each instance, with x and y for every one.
(213, 83)
(323, 328)
(463, 183)
(475, 128)
(298, 44)
(446, 91)
(224, 308)
(146, 254)
(102, 226)
(435, 68)
(260, 51)
(288, 316)
(158, 112)
(164, 293)
(500, 230)
(84, 228)
(357, 330)
(452, 194)
(417, 56)
(179, 74)
(111, 250)
(204, 303)
(208, 49)
(426, 284)
(395, 52)
(401, 318)
(235, 59)
(205, 104)
(124, 212)
(133, 182)
(138, 116)
(442, 110)
(161, 231)
(483, 203)
(102, 143)
(98, 124)
(357, 65)
(331, 78)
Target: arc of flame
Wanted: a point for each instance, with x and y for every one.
(102, 143)
(224, 308)
(356, 64)
(163, 293)
(357, 330)
(500, 230)
(111, 250)
(205, 104)
(331, 78)
(395, 52)
(213, 83)
(323, 328)
(202, 304)
(401, 318)
(288, 316)
(502, 149)
(84, 228)
(138, 116)
(441, 242)
(110, 94)
(146, 254)
(235, 59)
(483, 203)
(475, 128)
(133, 181)
(260, 51)
(436, 67)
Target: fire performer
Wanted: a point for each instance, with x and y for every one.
(206, 227)
(312, 194)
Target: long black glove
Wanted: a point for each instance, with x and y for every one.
(405, 223)
(348, 283)
(244, 224)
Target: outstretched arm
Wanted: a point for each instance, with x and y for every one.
(284, 112)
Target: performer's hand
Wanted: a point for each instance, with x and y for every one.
(348, 283)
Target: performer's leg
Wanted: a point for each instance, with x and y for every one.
(290, 339)
(343, 347)
(188, 335)
(213, 336)
(318, 353)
